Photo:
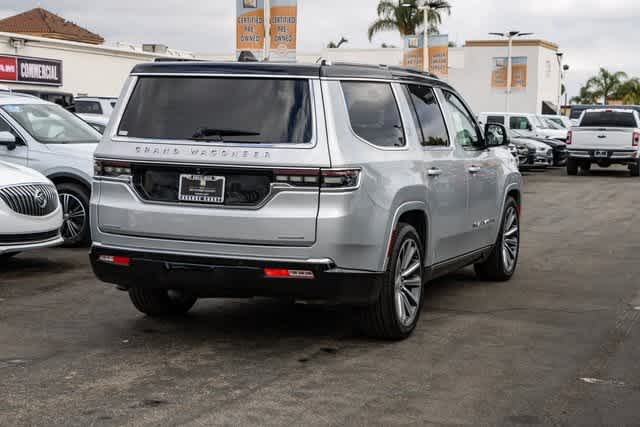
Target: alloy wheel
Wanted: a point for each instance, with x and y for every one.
(408, 282)
(74, 216)
(510, 239)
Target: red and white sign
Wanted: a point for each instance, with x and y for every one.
(8, 68)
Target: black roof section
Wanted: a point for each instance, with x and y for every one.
(324, 69)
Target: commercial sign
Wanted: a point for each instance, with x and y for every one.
(21, 69)
(413, 56)
(439, 55)
(518, 73)
(250, 29)
(283, 20)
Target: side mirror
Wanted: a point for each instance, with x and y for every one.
(9, 140)
(496, 135)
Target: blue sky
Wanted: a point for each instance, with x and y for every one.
(591, 33)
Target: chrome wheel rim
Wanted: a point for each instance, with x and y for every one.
(408, 282)
(510, 239)
(74, 216)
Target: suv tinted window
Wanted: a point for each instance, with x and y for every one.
(519, 123)
(495, 119)
(609, 119)
(431, 123)
(251, 110)
(374, 113)
(465, 127)
(88, 107)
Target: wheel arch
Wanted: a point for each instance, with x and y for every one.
(69, 178)
(416, 214)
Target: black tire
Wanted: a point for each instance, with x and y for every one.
(572, 167)
(160, 302)
(495, 268)
(5, 257)
(76, 194)
(382, 319)
(634, 168)
(586, 166)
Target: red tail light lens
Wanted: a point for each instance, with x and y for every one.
(107, 168)
(635, 142)
(340, 179)
(116, 260)
(569, 137)
(285, 273)
(343, 179)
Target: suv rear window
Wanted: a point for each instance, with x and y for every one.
(88, 107)
(609, 119)
(250, 110)
(374, 113)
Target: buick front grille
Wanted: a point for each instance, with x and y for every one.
(30, 199)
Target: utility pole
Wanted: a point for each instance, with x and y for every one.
(509, 36)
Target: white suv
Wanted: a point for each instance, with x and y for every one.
(96, 106)
(30, 215)
(53, 141)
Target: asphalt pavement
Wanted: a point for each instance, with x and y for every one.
(558, 345)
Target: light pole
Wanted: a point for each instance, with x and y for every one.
(510, 36)
(559, 55)
(425, 48)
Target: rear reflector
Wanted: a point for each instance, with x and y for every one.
(288, 274)
(635, 141)
(116, 260)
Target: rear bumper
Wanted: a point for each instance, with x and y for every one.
(613, 156)
(211, 277)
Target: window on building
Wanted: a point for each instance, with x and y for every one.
(374, 113)
(432, 129)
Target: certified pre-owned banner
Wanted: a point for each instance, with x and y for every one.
(250, 27)
(439, 55)
(22, 69)
(414, 52)
(284, 26)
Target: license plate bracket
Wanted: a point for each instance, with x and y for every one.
(600, 154)
(209, 189)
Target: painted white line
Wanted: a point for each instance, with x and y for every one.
(602, 382)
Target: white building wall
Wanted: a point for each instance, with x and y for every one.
(86, 69)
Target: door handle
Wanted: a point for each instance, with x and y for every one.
(474, 169)
(434, 172)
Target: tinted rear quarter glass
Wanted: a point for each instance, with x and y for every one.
(609, 119)
(429, 116)
(374, 113)
(258, 110)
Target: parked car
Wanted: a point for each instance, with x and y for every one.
(605, 137)
(96, 106)
(58, 144)
(529, 123)
(537, 154)
(578, 110)
(99, 123)
(63, 99)
(251, 183)
(558, 148)
(30, 215)
(560, 120)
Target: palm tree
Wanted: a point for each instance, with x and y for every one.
(606, 84)
(405, 16)
(334, 45)
(629, 91)
(585, 97)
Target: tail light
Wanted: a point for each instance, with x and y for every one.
(285, 273)
(635, 141)
(569, 138)
(111, 169)
(338, 179)
(115, 260)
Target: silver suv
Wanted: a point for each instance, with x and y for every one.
(338, 183)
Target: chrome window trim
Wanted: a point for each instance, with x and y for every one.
(394, 90)
(113, 136)
(437, 94)
(233, 75)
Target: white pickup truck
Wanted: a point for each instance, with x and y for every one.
(605, 137)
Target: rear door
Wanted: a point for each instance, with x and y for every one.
(481, 168)
(445, 178)
(218, 159)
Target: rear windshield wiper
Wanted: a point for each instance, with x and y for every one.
(214, 134)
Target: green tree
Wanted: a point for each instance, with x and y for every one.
(629, 91)
(405, 16)
(606, 84)
(586, 96)
(334, 45)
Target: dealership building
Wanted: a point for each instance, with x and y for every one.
(42, 51)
